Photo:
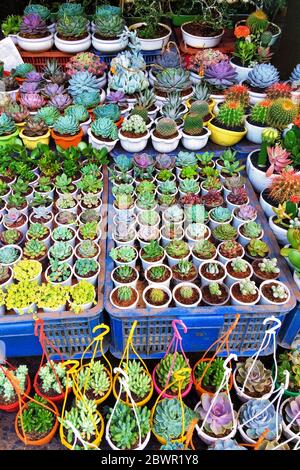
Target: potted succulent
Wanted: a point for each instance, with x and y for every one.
(124, 297)
(224, 232)
(157, 297)
(197, 231)
(8, 130)
(177, 250)
(82, 296)
(165, 137)
(258, 416)
(87, 249)
(237, 269)
(103, 133)
(148, 218)
(172, 80)
(256, 249)
(35, 131)
(146, 201)
(35, 249)
(249, 231)
(164, 374)
(194, 135)
(28, 270)
(124, 255)
(229, 250)
(203, 250)
(11, 26)
(68, 203)
(53, 298)
(79, 112)
(124, 235)
(219, 215)
(10, 254)
(217, 418)
(171, 232)
(6, 274)
(244, 292)
(212, 199)
(266, 269)
(246, 213)
(9, 400)
(64, 234)
(184, 271)
(51, 380)
(274, 293)
(34, 35)
(290, 413)
(71, 34)
(261, 77)
(66, 132)
(215, 294)
(109, 27)
(237, 197)
(212, 271)
(187, 295)
(125, 276)
(94, 381)
(158, 275)
(10, 89)
(89, 230)
(151, 254)
(289, 360)
(252, 380)
(11, 237)
(87, 269)
(208, 374)
(228, 127)
(22, 297)
(171, 420)
(173, 215)
(133, 134)
(15, 219)
(120, 420)
(59, 273)
(188, 186)
(39, 232)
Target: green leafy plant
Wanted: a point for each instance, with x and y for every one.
(139, 380)
(36, 419)
(168, 419)
(94, 379)
(213, 376)
(84, 417)
(166, 368)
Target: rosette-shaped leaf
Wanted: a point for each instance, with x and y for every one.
(33, 26)
(78, 111)
(32, 101)
(7, 125)
(260, 379)
(88, 99)
(66, 125)
(173, 80)
(83, 82)
(40, 10)
(61, 101)
(263, 76)
(219, 419)
(295, 75)
(110, 111)
(259, 418)
(105, 128)
(34, 76)
(30, 87)
(221, 75)
(52, 89)
(71, 26)
(49, 114)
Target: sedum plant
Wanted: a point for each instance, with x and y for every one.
(134, 124)
(27, 270)
(269, 266)
(53, 377)
(84, 417)
(7, 390)
(22, 295)
(94, 379)
(139, 382)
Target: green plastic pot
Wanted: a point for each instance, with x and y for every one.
(9, 139)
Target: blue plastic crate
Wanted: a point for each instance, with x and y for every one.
(150, 57)
(290, 331)
(205, 324)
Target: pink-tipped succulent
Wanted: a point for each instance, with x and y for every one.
(33, 26)
(278, 159)
(143, 160)
(247, 212)
(32, 101)
(12, 216)
(61, 101)
(238, 196)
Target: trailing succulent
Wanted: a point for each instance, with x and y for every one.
(166, 368)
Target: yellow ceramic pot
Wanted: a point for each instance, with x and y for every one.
(20, 125)
(31, 142)
(224, 137)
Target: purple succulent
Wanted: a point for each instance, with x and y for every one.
(33, 101)
(220, 75)
(61, 101)
(29, 87)
(142, 160)
(247, 212)
(12, 216)
(116, 97)
(165, 161)
(33, 25)
(52, 89)
(220, 418)
(33, 77)
(292, 411)
(238, 196)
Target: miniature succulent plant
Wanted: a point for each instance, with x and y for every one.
(84, 82)
(220, 75)
(259, 379)
(263, 76)
(66, 125)
(259, 415)
(216, 413)
(105, 128)
(166, 369)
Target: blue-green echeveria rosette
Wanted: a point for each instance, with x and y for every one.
(105, 128)
(256, 425)
(66, 125)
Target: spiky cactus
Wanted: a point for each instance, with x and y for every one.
(231, 114)
(166, 128)
(200, 107)
(257, 21)
(140, 111)
(166, 368)
(259, 112)
(157, 296)
(281, 113)
(238, 93)
(193, 124)
(279, 90)
(284, 186)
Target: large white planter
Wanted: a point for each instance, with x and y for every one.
(257, 177)
(254, 133)
(187, 284)
(100, 144)
(193, 142)
(242, 72)
(14, 38)
(52, 28)
(152, 44)
(267, 208)
(200, 42)
(162, 287)
(266, 301)
(165, 145)
(35, 45)
(72, 47)
(104, 45)
(279, 232)
(10, 94)
(133, 144)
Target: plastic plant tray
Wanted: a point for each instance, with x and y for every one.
(70, 333)
(205, 324)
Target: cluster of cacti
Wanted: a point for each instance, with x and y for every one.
(231, 114)
(193, 124)
(269, 266)
(238, 93)
(166, 368)
(279, 292)
(281, 113)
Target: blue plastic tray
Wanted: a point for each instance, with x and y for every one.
(205, 324)
(289, 335)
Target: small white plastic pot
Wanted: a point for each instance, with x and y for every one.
(162, 287)
(74, 46)
(191, 241)
(197, 262)
(165, 145)
(122, 284)
(243, 397)
(60, 309)
(209, 440)
(35, 45)
(222, 258)
(213, 223)
(125, 243)
(152, 44)
(46, 240)
(110, 46)
(192, 142)
(266, 301)
(23, 228)
(287, 430)
(124, 308)
(230, 280)
(232, 206)
(187, 284)
(130, 263)
(133, 145)
(157, 284)
(195, 78)
(100, 144)
(85, 307)
(172, 261)
(166, 221)
(237, 221)
(73, 225)
(67, 282)
(14, 38)
(254, 133)
(16, 247)
(96, 257)
(74, 209)
(200, 42)
(235, 301)
(204, 280)
(92, 280)
(148, 264)
(204, 191)
(279, 232)
(245, 240)
(165, 241)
